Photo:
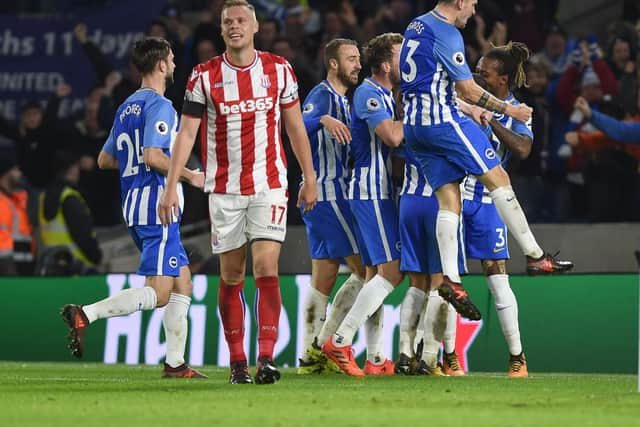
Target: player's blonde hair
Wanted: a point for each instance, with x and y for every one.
(231, 3)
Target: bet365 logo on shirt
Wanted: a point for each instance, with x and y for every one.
(246, 106)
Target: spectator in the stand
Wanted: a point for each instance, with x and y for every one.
(622, 61)
(527, 20)
(208, 26)
(613, 178)
(204, 50)
(122, 85)
(555, 52)
(65, 221)
(85, 136)
(268, 32)
(35, 143)
(529, 175)
(394, 16)
(497, 36)
(588, 74)
(307, 78)
(16, 240)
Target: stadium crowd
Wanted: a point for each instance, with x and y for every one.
(575, 173)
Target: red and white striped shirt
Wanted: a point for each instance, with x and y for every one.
(242, 149)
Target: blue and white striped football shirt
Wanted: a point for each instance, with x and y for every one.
(330, 158)
(432, 59)
(371, 178)
(145, 120)
(414, 182)
(472, 189)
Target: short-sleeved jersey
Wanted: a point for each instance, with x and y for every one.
(431, 61)
(472, 189)
(240, 132)
(414, 182)
(330, 158)
(144, 120)
(371, 177)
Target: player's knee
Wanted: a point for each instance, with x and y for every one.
(163, 298)
(265, 266)
(492, 267)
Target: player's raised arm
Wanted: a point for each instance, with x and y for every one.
(184, 144)
(294, 125)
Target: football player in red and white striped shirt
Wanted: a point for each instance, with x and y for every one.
(239, 98)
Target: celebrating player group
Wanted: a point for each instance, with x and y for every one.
(448, 140)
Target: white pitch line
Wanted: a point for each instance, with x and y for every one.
(75, 379)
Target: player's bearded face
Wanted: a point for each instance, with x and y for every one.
(348, 73)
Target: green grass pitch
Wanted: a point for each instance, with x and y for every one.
(87, 395)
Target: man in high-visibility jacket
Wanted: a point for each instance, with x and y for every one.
(65, 219)
(16, 243)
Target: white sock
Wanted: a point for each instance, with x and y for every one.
(447, 235)
(513, 216)
(433, 330)
(122, 303)
(176, 327)
(412, 306)
(371, 297)
(374, 327)
(450, 329)
(342, 302)
(507, 308)
(315, 312)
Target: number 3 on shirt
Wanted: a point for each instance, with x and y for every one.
(413, 67)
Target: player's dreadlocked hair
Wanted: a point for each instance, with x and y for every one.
(511, 57)
(148, 52)
(380, 49)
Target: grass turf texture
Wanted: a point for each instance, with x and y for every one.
(86, 395)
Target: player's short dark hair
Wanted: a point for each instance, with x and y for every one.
(148, 52)
(332, 48)
(380, 49)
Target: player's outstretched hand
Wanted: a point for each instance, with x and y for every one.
(307, 196)
(338, 130)
(168, 205)
(520, 112)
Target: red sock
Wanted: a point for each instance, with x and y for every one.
(231, 306)
(268, 303)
